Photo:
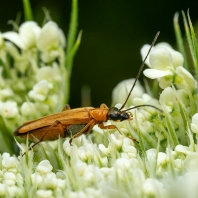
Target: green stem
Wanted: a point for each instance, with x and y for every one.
(171, 129)
(27, 10)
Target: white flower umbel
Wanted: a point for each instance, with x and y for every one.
(29, 88)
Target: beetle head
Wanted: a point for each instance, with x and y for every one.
(116, 115)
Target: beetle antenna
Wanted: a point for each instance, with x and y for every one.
(142, 106)
(140, 70)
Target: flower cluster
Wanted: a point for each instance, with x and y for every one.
(153, 155)
(42, 181)
(115, 165)
(177, 100)
(32, 73)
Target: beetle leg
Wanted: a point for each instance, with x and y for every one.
(101, 125)
(103, 106)
(56, 123)
(66, 107)
(86, 130)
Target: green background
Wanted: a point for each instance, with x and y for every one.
(113, 33)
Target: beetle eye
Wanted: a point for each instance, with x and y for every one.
(124, 116)
(114, 117)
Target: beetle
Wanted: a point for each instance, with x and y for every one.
(77, 121)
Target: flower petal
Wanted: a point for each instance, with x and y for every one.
(161, 58)
(48, 37)
(15, 38)
(178, 58)
(121, 91)
(144, 50)
(191, 162)
(164, 45)
(187, 77)
(156, 73)
(28, 32)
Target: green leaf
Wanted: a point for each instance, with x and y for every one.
(173, 137)
(7, 143)
(71, 36)
(179, 39)
(194, 43)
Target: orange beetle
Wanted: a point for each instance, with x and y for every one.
(77, 121)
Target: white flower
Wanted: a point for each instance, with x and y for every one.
(49, 56)
(162, 158)
(5, 93)
(50, 180)
(70, 150)
(36, 179)
(191, 162)
(40, 90)
(106, 171)
(27, 108)
(151, 156)
(122, 163)
(26, 38)
(8, 109)
(9, 162)
(92, 173)
(187, 77)
(194, 124)
(86, 152)
(80, 167)
(44, 167)
(182, 149)
(177, 58)
(9, 176)
(49, 37)
(163, 62)
(141, 101)
(168, 99)
(104, 150)
(61, 183)
(179, 164)
(44, 193)
(14, 191)
(121, 91)
(2, 189)
(49, 73)
(128, 148)
(95, 193)
(117, 140)
(153, 188)
(104, 161)
(78, 194)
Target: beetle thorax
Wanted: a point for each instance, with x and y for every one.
(99, 115)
